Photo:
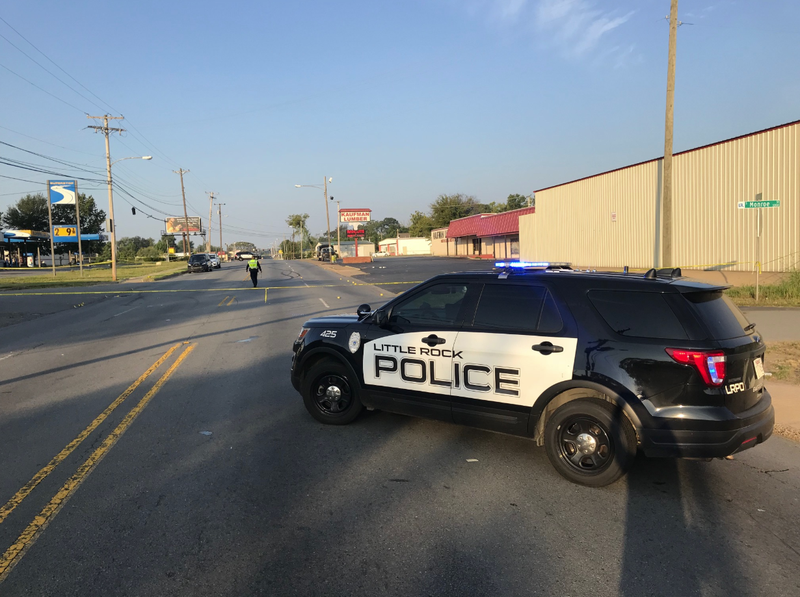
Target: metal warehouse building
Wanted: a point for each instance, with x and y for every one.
(611, 219)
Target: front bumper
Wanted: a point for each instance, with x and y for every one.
(685, 438)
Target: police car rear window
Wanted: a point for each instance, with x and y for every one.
(638, 314)
(523, 308)
(723, 319)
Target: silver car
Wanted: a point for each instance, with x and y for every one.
(214, 258)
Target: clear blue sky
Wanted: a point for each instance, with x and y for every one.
(397, 101)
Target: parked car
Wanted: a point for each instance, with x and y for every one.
(199, 263)
(324, 254)
(380, 254)
(214, 258)
(594, 366)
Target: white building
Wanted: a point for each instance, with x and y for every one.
(406, 246)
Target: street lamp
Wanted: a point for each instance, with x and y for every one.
(324, 186)
(113, 224)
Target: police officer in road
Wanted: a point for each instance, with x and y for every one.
(254, 267)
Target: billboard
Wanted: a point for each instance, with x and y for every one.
(355, 215)
(356, 233)
(178, 225)
(62, 192)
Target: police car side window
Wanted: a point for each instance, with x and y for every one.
(522, 308)
(436, 304)
(638, 314)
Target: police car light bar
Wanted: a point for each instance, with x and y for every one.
(523, 264)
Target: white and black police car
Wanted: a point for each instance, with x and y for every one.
(592, 365)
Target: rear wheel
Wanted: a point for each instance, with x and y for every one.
(590, 442)
(330, 394)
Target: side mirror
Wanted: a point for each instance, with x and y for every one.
(380, 317)
(364, 309)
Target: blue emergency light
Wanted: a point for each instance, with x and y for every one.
(523, 264)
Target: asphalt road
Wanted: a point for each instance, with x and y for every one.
(224, 485)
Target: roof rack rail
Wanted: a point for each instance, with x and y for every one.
(665, 272)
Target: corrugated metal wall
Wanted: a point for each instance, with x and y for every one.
(610, 220)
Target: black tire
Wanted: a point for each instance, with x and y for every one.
(330, 393)
(590, 442)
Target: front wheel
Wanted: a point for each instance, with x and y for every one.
(330, 393)
(590, 442)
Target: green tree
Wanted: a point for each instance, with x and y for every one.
(150, 253)
(421, 225)
(452, 207)
(241, 245)
(516, 201)
(290, 248)
(297, 222)
(30, 213)
(166, 242)
(129, 247)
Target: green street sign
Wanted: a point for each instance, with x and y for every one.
(757, 204)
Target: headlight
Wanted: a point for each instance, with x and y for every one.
(303, 332)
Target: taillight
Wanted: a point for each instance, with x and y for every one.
(711, 365)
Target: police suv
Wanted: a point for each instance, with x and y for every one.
(592, 365)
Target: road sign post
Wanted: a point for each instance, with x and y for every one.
(758, 204)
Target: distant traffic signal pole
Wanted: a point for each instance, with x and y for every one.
(666, 195)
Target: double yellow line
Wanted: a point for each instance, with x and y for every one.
(28, 537)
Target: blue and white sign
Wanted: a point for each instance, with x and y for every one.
(62, 192)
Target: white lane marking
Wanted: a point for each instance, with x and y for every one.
(327, 306)
(128, 311)
(10, 354)
(306, 283)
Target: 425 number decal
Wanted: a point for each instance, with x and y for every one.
(328, 334)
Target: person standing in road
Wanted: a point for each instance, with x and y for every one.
(254, 267)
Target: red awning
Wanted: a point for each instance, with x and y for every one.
(488, 224)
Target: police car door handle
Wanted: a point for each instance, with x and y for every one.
(547, 348)
(433, 340)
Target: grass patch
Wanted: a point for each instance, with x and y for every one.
(782, 359)
(785, 294)
(91, 276)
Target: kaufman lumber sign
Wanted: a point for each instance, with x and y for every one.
(355, 215)
(356, 233)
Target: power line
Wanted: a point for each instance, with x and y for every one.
(59, 161)
(43, 90)
(56, 65)
(48, 72)
(46, 142)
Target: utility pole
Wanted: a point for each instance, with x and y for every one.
(666, 195)
(210, 207)
(112, 225)
(219, 215)
(181, 171)
(327, 214)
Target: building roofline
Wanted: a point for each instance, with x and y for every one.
(772, 128)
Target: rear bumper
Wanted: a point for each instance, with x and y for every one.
(707, 439)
